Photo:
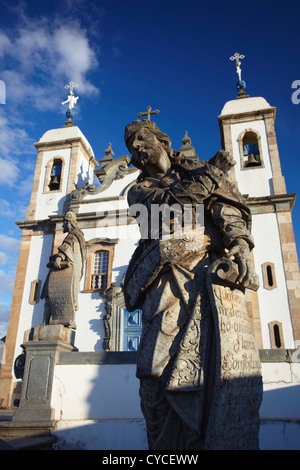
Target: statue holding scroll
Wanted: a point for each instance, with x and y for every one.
(198, 363)
(65, 271)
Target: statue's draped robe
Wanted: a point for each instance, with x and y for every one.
(177, 347)
(61, 288)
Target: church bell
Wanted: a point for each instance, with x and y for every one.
(54, 184)
(252, 160)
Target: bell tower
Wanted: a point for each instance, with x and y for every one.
(65, 160)
(247, 126)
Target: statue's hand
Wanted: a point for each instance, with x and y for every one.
(223, 160)
(240, 253)
(56, 263)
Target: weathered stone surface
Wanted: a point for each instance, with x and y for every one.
(65, 271)
(50, 333)
(198, 363)
(60, 295)
(237, 393)
(41, 357)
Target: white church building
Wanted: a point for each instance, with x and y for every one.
(86, 393)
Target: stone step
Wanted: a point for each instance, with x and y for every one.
(28, 443)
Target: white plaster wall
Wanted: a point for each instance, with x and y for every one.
(84, 392)
(116, 189)
(97, 407)
(254, 181)
(89, 318)
(83, 171)
(124, 434)
(52, 202)
(32, 315)
(273, 304)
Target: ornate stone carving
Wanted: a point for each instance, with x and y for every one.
(114, 299)
(110, 171)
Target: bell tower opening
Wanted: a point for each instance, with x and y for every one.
(251, 153)
(55, 176)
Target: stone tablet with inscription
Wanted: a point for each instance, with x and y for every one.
(60, 295)
(234, 413)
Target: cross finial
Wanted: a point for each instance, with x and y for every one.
(71, 85)
(148, 113)
(237, 58)
(72, 100)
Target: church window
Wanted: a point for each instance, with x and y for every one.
(55, 175)
(100, 270)
(276, 335)
(250, 149)
(35, 292)
(269, 277)
(99, 261)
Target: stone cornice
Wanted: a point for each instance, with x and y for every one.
(67, 143)
(129, 357)
(85, 220)
(247, 115)
(272, 203)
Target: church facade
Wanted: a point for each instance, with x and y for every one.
(89, 394)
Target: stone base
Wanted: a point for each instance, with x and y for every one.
(42, 345)
(15, 429)
(50, 333)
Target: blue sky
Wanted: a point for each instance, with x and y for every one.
(126, 55)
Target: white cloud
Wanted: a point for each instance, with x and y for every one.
(4, 312)
(9, 243)
(3, 258)
(9, 171)
(44, 56)
(14, 140)
(16, 210)
(7, 281)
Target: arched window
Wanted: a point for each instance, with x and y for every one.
(269, 277)
(250, 149)
(276, 335)
(55, 176)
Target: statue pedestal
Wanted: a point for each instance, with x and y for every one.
(42, 345)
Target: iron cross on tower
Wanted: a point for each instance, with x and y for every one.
(148, 113)
(237, 58)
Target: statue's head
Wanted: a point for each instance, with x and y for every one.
(70, 221)
(147, 144)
